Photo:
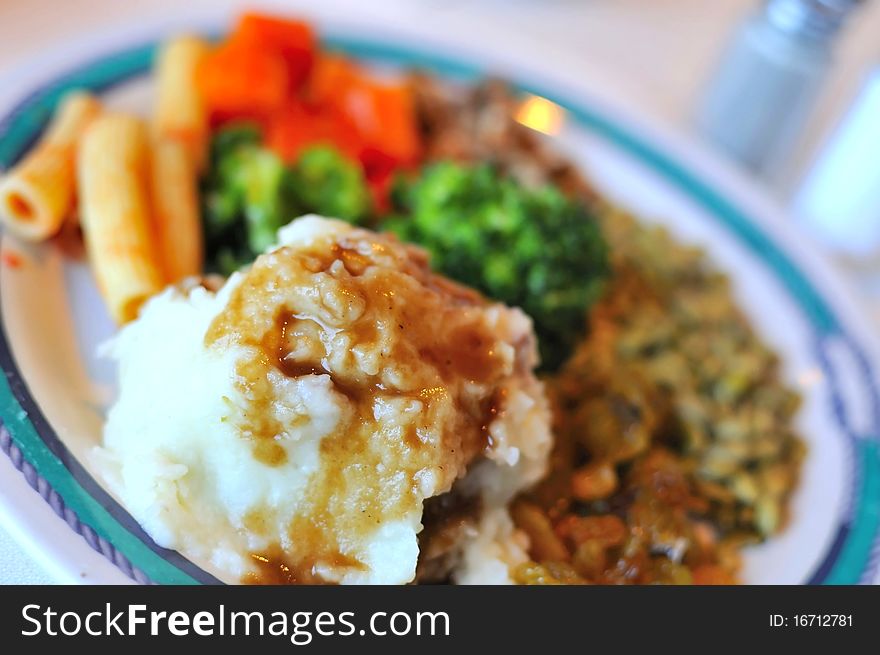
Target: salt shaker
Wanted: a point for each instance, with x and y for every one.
(767, 81)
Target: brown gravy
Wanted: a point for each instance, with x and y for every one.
(426, 343)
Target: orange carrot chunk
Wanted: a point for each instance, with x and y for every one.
(241, 82)
(332, 78)
(294, 41)
(382, 113)
(393, 128)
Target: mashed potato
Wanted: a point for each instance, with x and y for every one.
(292, 426)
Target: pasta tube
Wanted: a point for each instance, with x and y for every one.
(176, 210)
(37, 195)
(179, 111)
(113, 173)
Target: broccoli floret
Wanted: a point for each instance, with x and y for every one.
(267, 199)
(533, 248)
(246, 197)
(249, 192)
(222, 200)
(325, 182)
(231, 138)
(252, 184)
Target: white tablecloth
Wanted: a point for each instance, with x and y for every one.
(16, 566)
(654, 54)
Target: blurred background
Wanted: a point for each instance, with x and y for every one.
(801, 79)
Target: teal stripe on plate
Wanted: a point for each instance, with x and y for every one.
(866, 519)
(76, 498)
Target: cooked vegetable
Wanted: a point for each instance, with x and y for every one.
(325, 182)
(331, 79)
(241, 195)
(533, 248)
(298, 127)
(258, 179)
(385, 117)
(672, 416)
(294, 41)
(258, 69)
(269, 71)
(238, 81)
(671, 321)
(383, 113)
(250, 192)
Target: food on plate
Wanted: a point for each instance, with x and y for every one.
(179, 150)
(303, 423)
(176, 216)
(381, 112)
(676, 319)
(179, 114)
(325, 180)
(357, 406)
(39, 193)
(253, 72)
(113, 169)
(674, 439)
(670, 418)
(482, 123)
(271, 74)
(534, 248)
(250, 192)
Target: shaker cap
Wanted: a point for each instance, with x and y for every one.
(815, 18)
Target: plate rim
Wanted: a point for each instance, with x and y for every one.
(633, 134)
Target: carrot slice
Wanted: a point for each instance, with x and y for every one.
(237, 81)
(383, 114)
(293, 40)
(332, 78)
(394, 131)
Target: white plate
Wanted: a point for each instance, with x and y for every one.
(55, 389)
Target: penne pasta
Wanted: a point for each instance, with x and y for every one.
(113, 174)
(179, 111)
(39, 193)
(175, 204)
